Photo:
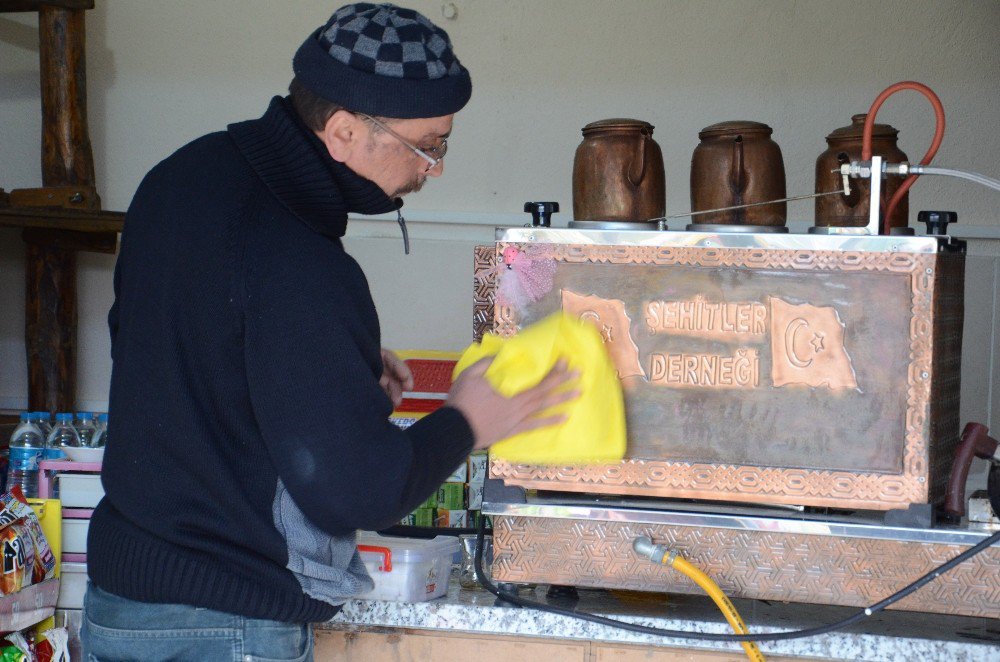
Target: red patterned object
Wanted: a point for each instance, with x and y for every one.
(431, 380)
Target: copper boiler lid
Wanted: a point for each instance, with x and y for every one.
(619, 124)
(857, 128)
(734, 127)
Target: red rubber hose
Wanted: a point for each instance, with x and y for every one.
(866, 137)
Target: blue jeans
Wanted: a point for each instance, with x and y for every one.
(115, 628)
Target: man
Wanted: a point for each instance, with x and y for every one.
(249, 392)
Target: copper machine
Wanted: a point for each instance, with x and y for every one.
(791, 402)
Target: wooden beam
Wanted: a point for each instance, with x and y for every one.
(46, 211)
(7, 6)
(50, 322)
(62, 219)
(67, 158)
(50, 314)
(68, 197)
(68, 240)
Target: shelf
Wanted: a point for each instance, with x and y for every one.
(69, 465)
(50, 218)
(36, 5)
(29, 606)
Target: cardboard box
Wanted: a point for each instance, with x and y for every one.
(477, 468)
(451, 496)
(475, 496)
(459, 475)
(451, 518)
(419, 517)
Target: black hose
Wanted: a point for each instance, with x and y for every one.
(512, 598)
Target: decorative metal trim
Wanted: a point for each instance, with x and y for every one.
(483, 290)
(768, 565)
(724, 517)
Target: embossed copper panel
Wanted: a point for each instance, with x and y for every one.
(747, 564)
(761, 375)
(483, 286)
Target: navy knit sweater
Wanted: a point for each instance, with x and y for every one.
(246, 359)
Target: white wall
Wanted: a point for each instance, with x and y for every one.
(161, 73)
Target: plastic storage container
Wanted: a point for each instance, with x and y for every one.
(407, 569)
(74, 536)
(80, 490)
(73, 585)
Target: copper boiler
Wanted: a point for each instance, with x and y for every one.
(811, 370)
(737, 163)
(845, 146)
(618, 173)
(760, 371)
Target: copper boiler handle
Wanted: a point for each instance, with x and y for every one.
(737, 173)
(638, 163)
(975, 442)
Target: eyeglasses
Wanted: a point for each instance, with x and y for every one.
(432, 155)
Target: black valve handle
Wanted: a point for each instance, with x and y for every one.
(937, 221)
(540, 212)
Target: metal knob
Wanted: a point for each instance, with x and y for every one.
(540, 212)
(937, 221)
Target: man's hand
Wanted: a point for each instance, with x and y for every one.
(396, 377)
(493, 416)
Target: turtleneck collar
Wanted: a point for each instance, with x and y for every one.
(298, 170)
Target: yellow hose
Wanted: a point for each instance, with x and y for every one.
(727, 608)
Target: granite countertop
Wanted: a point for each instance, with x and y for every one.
(888, 635)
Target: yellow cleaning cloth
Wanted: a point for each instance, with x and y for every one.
(594, 431)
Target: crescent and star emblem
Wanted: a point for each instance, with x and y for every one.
(594, 318)
(791, 334)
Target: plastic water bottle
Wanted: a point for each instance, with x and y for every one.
(4, 466)
(62, 435)
(100, 439)
(42, 422)
(85, 427)
(26, 446)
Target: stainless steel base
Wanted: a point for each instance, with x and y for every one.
(794, 558)
(859, 231)
(618, 225)
(745, 229)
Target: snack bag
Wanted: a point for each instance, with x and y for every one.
(45, 561)
(54, 647)
(17, 649)
(18, 559)
(27, 557)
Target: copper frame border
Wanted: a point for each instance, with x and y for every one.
(726, 482)
(484, 278)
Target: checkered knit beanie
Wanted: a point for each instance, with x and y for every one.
(384, 60)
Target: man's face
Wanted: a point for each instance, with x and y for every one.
(388, 162)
